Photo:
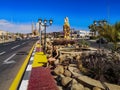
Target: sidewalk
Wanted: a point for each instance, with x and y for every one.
(36, 76)
(5, 41)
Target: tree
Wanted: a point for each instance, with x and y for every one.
(93, 29)
(111, 33)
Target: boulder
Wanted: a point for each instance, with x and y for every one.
(65, 81)
(65, 67)
(86, 88)
(96, 88)
(56, 62)
(59, 70)
(60, 88)
(62, 58)
(78, 57)
(61, 75)
(74, 81)
(75, 74)
(70, 57)
(89, 82)
(72, 65)
(77, 87)
(67, 73)
(112, 86)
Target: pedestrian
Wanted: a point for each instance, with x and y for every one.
(53, 56)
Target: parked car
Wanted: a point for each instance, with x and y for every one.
(102, 40)
(17, 39)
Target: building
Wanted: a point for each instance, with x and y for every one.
(2, 34)
(83, 34)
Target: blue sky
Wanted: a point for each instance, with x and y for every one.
(81, 13)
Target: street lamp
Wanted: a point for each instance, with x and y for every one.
(2, 37)
(98, 24)
(44, 24)
(72, 30)
(40, 22)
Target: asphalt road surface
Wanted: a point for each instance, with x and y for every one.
(12, 56)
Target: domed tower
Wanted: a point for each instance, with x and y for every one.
(66, 28)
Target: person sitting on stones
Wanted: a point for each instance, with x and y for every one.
(54, 55)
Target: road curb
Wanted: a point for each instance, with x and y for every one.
(18, 77)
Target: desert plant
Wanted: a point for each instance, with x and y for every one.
(102, 66)
(63, 42)
(83, 43)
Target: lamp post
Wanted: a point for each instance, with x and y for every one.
(45, 25)
(40, 21)
(2, 37)
(99, 24)
(72, 29)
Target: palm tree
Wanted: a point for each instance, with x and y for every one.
(93, 29)
(117, 26)
(111, 33)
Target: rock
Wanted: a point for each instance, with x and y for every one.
(65, 80)
(70, 57)
(112, 86)
(90, 82)
(59, 70)
(87, 88)
(67, 73)
(62, 58)
(67, 55)
(72, 65)
(74, 81)
(96, 88)
(78, 57)
(75, 74)
(65, 67)
(81, 68)
(77, 87)
(73, 55)
(60, 88)
(66, 62)
(61, 75)
(76, 70)
(56, 62)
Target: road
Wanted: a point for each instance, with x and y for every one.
(12, 56)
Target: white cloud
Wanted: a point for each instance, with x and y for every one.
(12, 27)
(27, 28)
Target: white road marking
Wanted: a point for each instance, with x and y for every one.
(7, 60)
(33, 54)
(15, 46)
(7, 44)
(24, 85)
(31, 59)
(2, 52)
(29, 67)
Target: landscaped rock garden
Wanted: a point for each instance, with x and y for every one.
(93, 70)
(73, 72)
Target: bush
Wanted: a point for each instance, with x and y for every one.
(63, 42)
(93, 37)
(102, 66)
(83, 42)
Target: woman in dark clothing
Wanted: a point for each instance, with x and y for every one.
(54, 55)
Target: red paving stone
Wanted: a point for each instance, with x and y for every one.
(41, 79)
(39, 49)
